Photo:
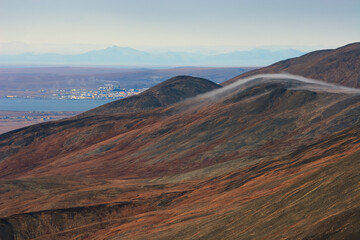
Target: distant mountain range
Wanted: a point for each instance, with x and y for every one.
(127, 56)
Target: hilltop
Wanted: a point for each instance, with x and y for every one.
(164, 94)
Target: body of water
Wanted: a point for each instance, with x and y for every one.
(22, 104)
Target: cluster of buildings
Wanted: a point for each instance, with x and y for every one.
(106, 92)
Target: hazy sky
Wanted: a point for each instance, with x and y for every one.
(73, 25)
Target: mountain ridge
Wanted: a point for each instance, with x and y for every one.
(271, 103)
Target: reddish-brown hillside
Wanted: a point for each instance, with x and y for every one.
(311, 193)
(340, 66)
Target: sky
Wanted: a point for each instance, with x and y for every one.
(73, 26)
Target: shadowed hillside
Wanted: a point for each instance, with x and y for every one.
(164, 94)
(339, 66)
(272, 156)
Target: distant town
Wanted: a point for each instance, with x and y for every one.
(108, 91)
(95, 83)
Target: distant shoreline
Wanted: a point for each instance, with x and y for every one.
(11, 120)
(49, 105)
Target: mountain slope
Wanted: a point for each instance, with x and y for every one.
(309, 194)
(339, 66)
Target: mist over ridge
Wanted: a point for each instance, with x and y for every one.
(310, 84)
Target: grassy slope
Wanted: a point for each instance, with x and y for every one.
(312, 193)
